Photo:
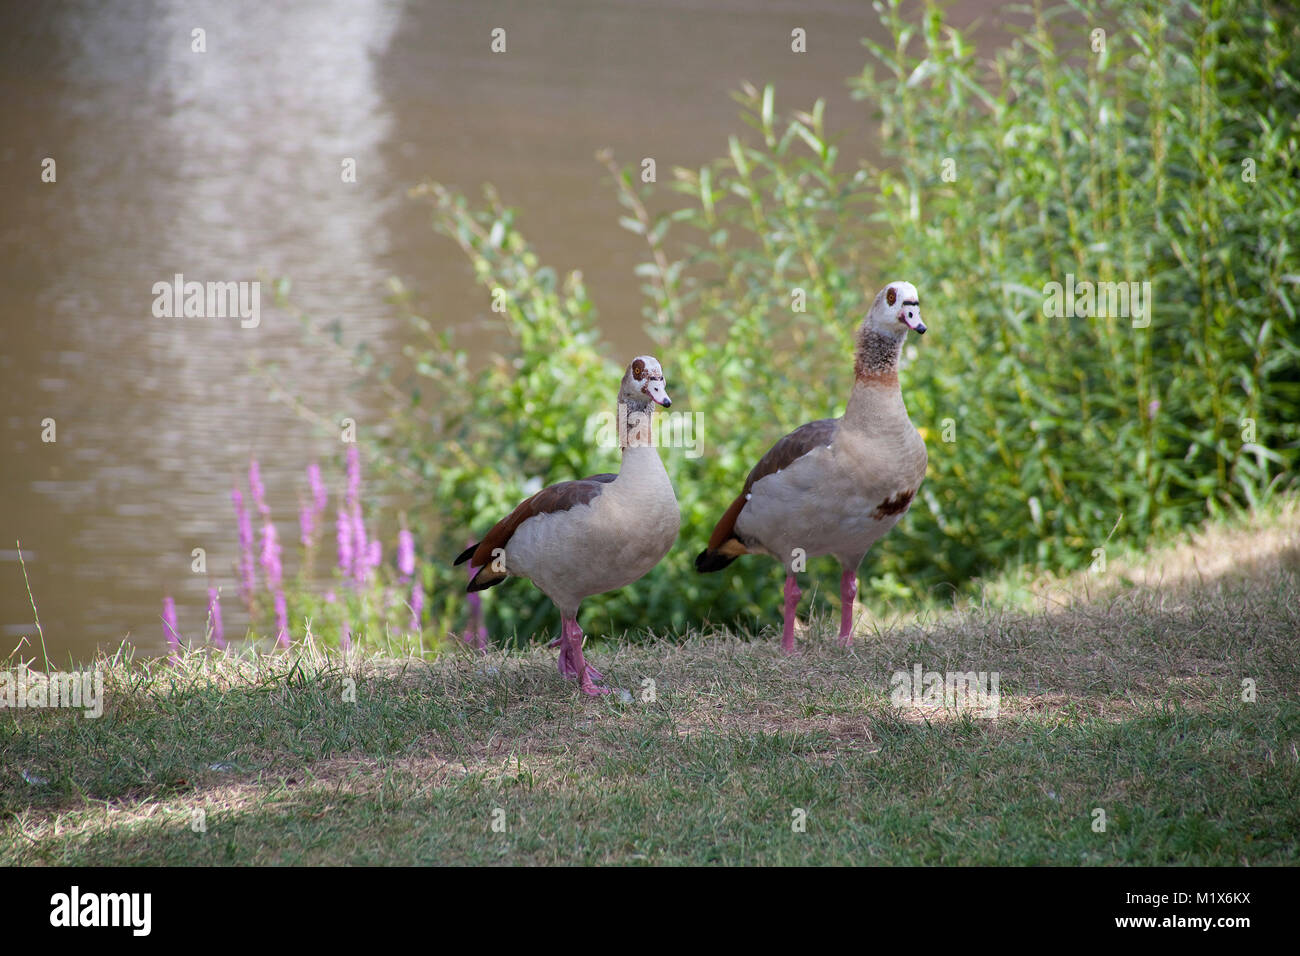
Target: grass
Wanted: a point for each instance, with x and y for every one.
(1120, 692)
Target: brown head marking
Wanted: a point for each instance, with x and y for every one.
(638, 370)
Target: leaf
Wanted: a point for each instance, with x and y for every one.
(769, 100)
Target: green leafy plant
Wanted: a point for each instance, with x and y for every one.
(1115, 157)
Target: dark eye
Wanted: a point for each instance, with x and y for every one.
(890, 296)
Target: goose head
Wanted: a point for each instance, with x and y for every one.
(897, 308)
(643, 383)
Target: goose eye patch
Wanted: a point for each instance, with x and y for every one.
(890, 296)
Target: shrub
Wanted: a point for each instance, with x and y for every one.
(1122, 162)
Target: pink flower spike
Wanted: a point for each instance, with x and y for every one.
(319, 497)
(247, 572)
(405, 554)
(281, 620)
(271, 556)
(256, 487)
(214, 615)
(360, 548)
(345, 542)
(476, 631)
(307, 525)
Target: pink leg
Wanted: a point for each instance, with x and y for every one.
(792, 595)
(564, 663)
(848, 591)
(567, 663)
(587, 675)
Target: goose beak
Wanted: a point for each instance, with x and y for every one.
(911, 317)
(659, 394)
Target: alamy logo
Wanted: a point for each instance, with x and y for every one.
(208, 300)
(1098, 300)
(662, 430)
(970, 691)
(24, 689)
(103, 909)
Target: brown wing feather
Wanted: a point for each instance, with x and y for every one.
(555, 498)
(781, 455)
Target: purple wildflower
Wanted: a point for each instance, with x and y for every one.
(214, 615)
(307, 522)
(345, 542)
(247, 573)
(1152, 407)
(256, 487)
(360, 552)
(374, 555)
(360, 549)
(271, 556)
(476, 631)
(311, 512)
(170, 630)
(405, 554)
(319, 497)
(281, 619)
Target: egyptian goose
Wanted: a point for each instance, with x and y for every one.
(835, 486)
(580, 538)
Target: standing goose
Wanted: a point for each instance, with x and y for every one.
(835, 486)
(580, 538)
